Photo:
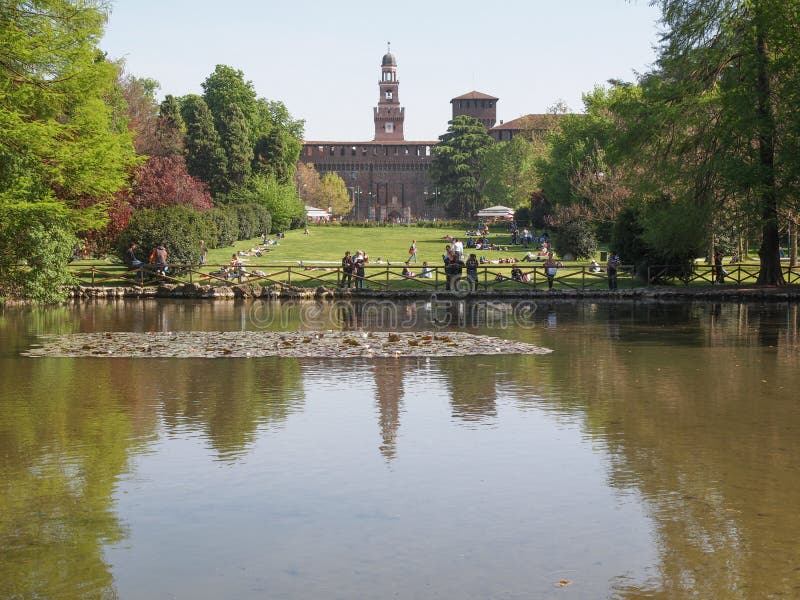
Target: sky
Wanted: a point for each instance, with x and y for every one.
(322, 58)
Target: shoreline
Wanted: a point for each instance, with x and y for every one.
(789, 293)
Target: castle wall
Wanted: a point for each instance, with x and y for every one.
(387, 180)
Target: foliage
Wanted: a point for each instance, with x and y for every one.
(164, 181)
(332, 193)
(457, 161)
(142, 110)
(225, 225)
(719, 114)
(64, 133)
(179, 228)
(226, 87)
(248, 219)
(36, 243)
(205, 157)
(575, 237)
(170, 129)
(509, 171)
(281, 201)
(234, 138)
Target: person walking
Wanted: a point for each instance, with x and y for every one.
(612, 267)
(412, 251)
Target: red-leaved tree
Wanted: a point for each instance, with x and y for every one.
(164, 181)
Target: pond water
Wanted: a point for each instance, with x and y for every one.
(655, 453)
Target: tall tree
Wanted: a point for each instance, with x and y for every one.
(205, 157)
(235, 142)
(170, 128)
(457, 162)
(227, 86)
(725, 94)
(63, 125)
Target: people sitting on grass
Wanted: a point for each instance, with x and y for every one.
(426, 272)
(406, 271)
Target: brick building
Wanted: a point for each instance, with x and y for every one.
(388, 177)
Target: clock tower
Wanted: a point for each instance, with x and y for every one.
(388, 114)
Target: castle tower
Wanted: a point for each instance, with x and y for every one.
(478, 105)
(389, 114)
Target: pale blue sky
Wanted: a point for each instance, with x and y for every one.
(323, 58)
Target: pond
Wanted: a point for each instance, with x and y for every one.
(654, 453)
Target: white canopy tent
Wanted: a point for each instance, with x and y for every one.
(317, 214)
(496, 212)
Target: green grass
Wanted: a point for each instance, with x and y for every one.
(324, 247)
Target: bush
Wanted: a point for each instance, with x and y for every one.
(575, 237)
(179, 228)
(247, 218)
(225, 225)
(36, 244)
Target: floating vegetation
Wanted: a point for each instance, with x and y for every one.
(304, 344)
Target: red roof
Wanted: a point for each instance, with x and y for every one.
(475, 96)
(546, 121)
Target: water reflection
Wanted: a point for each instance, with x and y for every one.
(689, 412)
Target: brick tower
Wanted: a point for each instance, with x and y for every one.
(389, 114)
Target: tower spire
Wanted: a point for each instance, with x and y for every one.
(388, 115)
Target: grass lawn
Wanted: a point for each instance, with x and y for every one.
(325, 245)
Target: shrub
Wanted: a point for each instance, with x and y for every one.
(575, 237)
(247, 217)
(225, 223)
(36, 243)
(179, 228)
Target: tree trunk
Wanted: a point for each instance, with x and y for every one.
(770, 271)
(792, 244)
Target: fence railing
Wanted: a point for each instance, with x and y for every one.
(390, 277)
(738, 274)
(376, 277)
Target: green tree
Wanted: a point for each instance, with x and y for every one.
(227, 86)
(510, 173)
(720, 112)
(235, 142)
(332, 192)
(64, 131)
(170, 129)
(457, 162)
(205, 157)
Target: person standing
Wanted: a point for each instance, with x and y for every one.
(347, 270)
(550, 269)
(203, 252)
(412, 251)
(472, 271)
(612, 267)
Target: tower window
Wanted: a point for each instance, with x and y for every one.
(389, 95)
(389, 127)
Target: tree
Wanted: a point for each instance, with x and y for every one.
(307, 181)
(510, 173)
(170, 128)
(721, 106)
(225, 87)
(205, 157)
(457, 162)
(64, 131)
(235, 142)
(164, 181)
(333, 193)
(142, 110)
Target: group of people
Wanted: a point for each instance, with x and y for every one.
(354, 267)
(157, 258)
